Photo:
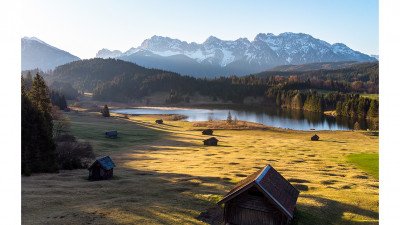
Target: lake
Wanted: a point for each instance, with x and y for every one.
(276, 117)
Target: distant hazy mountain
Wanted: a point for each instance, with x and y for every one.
(37, 54)
(105, 54)
(216, 57)
(315, 66)
(375, 56)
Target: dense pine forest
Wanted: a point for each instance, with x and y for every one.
(316, 90)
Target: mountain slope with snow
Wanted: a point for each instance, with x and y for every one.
(38, 54)
(216, 57)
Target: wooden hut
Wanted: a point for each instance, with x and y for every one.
(101, 169)
(159, 121)
(211, 141)
(112, 134)
(264, 197)
(314, 138)
(207, 132)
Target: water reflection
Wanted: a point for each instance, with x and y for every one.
(276, 117)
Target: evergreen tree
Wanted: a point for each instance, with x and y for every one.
(39, 96)
(37, 144)
(373, 109)
(28, 81)
(105, 112)
(229, 118)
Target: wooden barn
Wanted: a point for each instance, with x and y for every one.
(159, 121)
(211, 141)
(314, 138)
(207, 132)
(112, 134)
(264, 197)
(101, 169)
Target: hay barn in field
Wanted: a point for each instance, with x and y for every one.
(207, 132)
(112, 134)
(101, 169)
(264, 197)
(314, 138)
(159, 121)
(211, 141)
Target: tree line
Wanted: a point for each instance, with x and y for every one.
(116, 80)
(43, 148)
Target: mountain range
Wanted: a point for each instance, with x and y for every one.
(38, 54)
(212, 58)
(215, 57)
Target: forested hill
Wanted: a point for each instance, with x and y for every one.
(361, 71)
(89, 73)
(315, 66)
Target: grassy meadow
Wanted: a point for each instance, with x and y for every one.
(165, 175)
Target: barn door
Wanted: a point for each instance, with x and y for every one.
(96, 172)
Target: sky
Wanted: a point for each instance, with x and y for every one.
(84, 27)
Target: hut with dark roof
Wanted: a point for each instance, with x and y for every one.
(211, 141)
(112, 134)
(159, 121)
(264, 197)
(207, 132)
(101, 169)
(314, 138)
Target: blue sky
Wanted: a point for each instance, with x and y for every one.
(84, 27)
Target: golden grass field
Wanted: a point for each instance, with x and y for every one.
(165, 175)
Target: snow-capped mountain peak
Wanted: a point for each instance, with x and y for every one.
(242, 56)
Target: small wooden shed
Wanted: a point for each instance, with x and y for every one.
(264, 197)
(112, 134)
(211, 141)
(314, 138)
(159, 121)
(207, 132)
(101, 169)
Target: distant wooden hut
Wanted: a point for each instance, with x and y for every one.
(211, 141)
(112, 134)
(159, 121)
(314, 138)
(264, 197)
(101, 169)
(207, 132)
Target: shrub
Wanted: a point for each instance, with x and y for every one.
(73, 154)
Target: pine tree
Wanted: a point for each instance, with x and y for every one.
(28, 81)
(105, 112)
(38, 147)
(39, 96)
(229, 118)
(373, 109)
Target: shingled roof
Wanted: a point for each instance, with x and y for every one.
(273, 185)
(105, 162)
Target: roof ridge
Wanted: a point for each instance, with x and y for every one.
(262, 174)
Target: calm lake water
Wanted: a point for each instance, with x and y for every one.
(276, 117)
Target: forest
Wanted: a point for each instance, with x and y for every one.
(117, 80)
(45, 144)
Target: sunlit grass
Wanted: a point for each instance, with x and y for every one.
(167, 176)
(367, 162)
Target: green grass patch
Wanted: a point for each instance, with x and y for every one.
(367, 162)
(371, 96)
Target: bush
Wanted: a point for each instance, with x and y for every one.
(356, 126)
(73, 154)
